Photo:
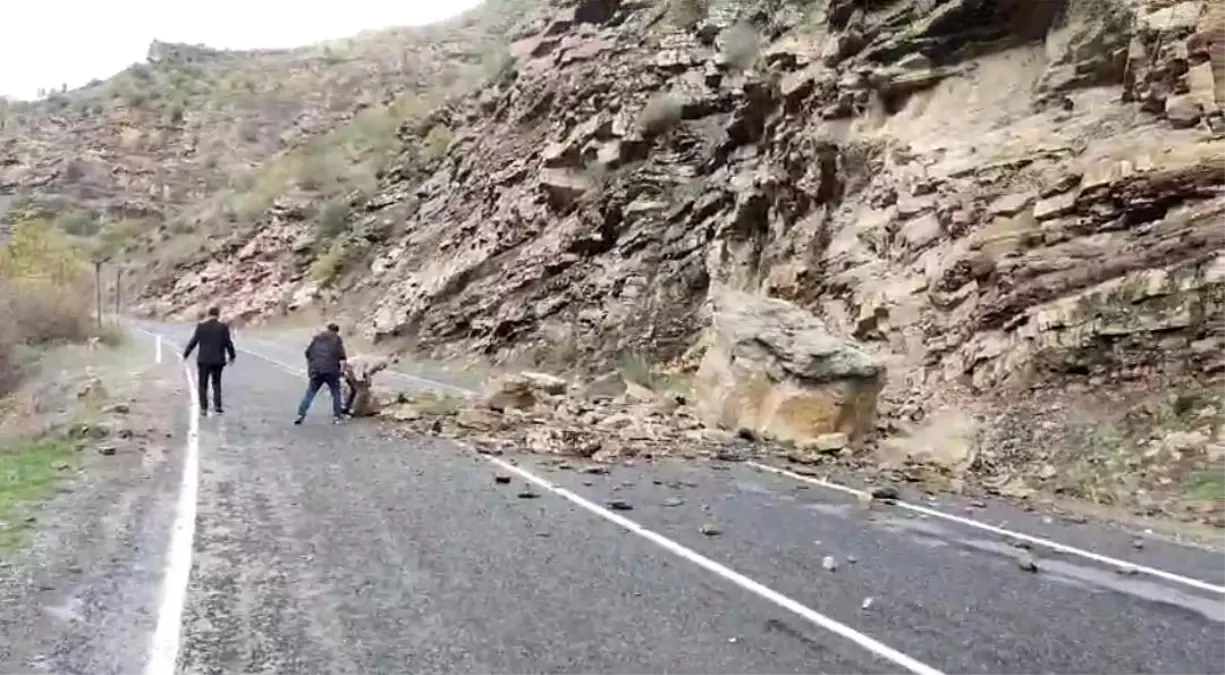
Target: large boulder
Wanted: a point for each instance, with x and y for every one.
(773, 367)
(521, 391)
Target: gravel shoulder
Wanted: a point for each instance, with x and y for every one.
(78, 593)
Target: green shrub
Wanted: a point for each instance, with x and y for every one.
(437, 141)
(77, 222)
(333, 219)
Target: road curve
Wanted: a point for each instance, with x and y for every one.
(353, 548)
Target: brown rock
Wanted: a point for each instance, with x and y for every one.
(773, 367)
(828, 443)
(1055, 206)
(521, 391)
(563, 187)
(1183, 111)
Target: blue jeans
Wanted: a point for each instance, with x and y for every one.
(317, 380)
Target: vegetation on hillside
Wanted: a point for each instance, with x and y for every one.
(45, 293)
(158, 164)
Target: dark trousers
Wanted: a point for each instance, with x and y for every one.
(317, 381)
(206, 373)
(348, 407)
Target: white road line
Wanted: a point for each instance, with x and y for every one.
(164, 648)
(1053, 545)
(842, 630)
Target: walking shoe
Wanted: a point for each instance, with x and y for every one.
(218, 410)
(297, 420)
(338, 420)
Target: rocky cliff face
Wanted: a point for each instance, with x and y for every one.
(991, 196)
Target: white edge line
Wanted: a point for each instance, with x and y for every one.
(1053, 545)
(842, 630)
(868, 643)
(164, 647)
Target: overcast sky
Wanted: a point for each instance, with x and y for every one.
(44, 44)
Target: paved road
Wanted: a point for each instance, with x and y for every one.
(352, 548)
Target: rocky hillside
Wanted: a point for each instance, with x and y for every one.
(991, 196)
(182, 142)
(1013, 212)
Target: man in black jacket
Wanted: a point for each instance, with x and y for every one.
(212, 336)
(325, 361)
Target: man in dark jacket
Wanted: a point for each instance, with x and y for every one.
(325, 361)
(212, 337)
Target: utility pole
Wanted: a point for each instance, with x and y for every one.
(98, 288)
(118, 290)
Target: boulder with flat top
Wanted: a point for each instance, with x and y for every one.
(773, 367)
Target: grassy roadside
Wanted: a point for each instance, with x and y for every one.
(29, 472)
(1207, 485)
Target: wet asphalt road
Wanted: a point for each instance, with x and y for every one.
(353, 548)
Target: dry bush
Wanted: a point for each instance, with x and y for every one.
(45, 313)
(37, 313)
(437, 141)
(321, 169)
(12, 366)
(327, 266)
(44, 296)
